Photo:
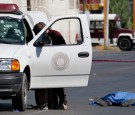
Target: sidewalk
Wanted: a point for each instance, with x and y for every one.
(101, 48)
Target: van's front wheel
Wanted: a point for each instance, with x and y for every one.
(125, 44)
(20, 100)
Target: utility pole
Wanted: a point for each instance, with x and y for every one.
(84, 6)
(106, 24)
(133, 14)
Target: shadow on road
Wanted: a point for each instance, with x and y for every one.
(5, 107)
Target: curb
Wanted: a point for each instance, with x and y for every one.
(114, 48)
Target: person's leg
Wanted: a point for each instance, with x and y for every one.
(53, 99)
(41, 98)
(101, 101)
(128, 103)
(62, 98)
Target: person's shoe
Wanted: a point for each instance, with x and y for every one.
(43, 106)
(128, 103)
(40, 107)
(100, 101)
(109, 103)
(62, 107)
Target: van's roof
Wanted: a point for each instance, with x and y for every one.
(101, 16)
(36, 16)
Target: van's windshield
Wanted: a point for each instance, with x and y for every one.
(11, 31)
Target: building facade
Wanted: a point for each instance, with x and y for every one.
(94, 6)
(50, 7)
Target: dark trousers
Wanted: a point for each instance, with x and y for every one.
(41, 96)
(52, 96)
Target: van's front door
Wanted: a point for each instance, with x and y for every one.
(61, 65)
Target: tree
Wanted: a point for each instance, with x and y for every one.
(122, 8)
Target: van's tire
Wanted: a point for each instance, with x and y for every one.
(19, 101)
(125, 44)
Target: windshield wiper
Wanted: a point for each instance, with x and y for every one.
(2, 41)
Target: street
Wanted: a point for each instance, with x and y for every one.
(105, 77)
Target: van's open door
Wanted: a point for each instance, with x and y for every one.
(62, 65)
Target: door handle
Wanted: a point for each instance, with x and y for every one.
(83, 54)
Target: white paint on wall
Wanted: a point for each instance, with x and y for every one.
(6, 1)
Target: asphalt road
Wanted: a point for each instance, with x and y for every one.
(105, 77)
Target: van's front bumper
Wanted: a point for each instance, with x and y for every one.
(10, 84)
(133, 40)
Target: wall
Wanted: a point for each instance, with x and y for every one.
(6, 1)
(56, 7)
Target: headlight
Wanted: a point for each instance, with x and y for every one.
(9, 65)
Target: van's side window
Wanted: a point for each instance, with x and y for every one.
(96, 25)
(92, 24)
(99, 25)
(70, 29)
(28, 32)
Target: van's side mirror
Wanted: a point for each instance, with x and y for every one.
(38, 44)
(42, 41)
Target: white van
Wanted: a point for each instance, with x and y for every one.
(28, 62)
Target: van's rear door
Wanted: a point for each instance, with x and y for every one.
(63, 65)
